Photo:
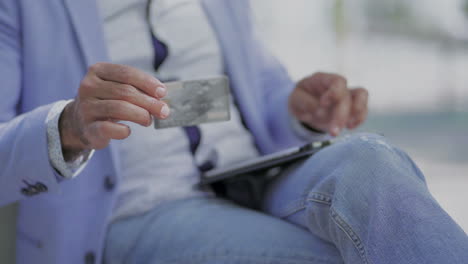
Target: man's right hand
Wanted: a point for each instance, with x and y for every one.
(109, 93)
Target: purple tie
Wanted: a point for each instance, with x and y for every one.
(161, 52)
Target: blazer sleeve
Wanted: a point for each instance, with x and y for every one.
(25, 170)
(275, 85)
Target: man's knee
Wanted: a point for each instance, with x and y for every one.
(365, 158)
(369, 150)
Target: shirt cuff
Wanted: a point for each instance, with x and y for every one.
(65, 169)
(307, 134)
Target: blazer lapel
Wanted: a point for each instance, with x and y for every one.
(87, 23)
(233, 29)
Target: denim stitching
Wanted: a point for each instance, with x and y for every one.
(301, 203)
(350, 233)
(326, 199)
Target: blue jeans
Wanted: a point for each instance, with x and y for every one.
(358, 201)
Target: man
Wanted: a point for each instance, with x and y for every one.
(135, 200)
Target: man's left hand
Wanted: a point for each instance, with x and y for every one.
(324, 102)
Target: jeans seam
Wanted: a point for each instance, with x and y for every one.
(300, 204)
(347, 229)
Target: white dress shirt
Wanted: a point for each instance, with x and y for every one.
(157, 165)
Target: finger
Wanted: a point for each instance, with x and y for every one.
(132, 76)
(320, 82)
(105, 110)
(336, 92)
(303, 105)
(340, 114)
(101, 132)
(117, 91)
(112, 130)
(359, 120)
(359, 107)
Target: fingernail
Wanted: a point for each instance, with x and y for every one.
(335, 130)
(161, 92)
(165, 111)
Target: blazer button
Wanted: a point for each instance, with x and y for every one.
(90, 258)
(40, 187)
(109, 183)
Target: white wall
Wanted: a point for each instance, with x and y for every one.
(401, 74)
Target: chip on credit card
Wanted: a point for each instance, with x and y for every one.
(196, 102)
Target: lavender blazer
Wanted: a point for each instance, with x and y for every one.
(45, 50)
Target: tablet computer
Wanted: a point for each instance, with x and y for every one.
(263, 163)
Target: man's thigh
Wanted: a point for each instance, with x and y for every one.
(210, 230)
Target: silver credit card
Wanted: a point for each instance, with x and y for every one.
(196, 102)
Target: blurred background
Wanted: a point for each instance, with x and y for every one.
(411, 55)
